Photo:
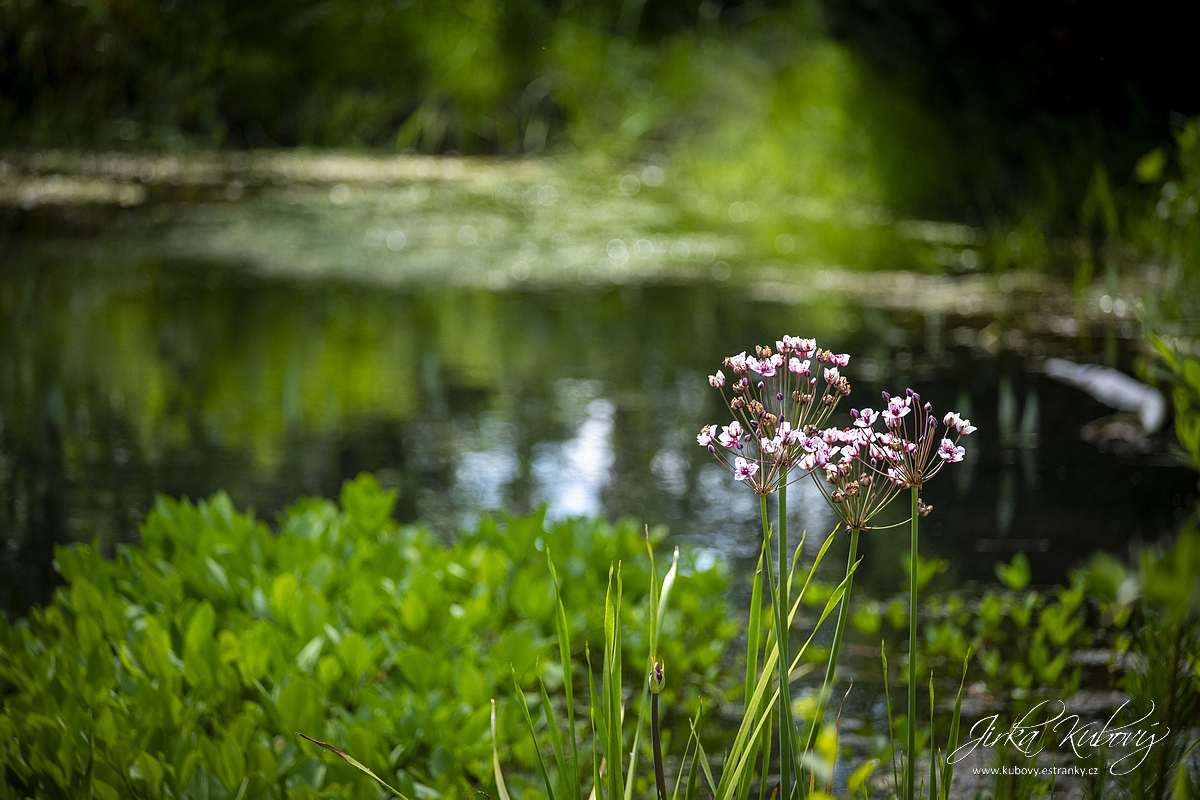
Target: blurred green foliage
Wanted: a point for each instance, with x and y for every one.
(1134, 629)
(263, 72)
(1183, 375)
(1166, 229)
(921, 107)
(1155, 606)
(183, 667)
(760, 96)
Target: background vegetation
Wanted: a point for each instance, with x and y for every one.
(982, 111)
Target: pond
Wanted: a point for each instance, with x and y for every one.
(495, 336)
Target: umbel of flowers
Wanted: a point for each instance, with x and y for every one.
(778, 403)
(781, 402)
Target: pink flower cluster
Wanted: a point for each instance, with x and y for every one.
(777, 433)
(778, 399)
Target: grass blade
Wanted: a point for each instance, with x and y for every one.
(703, 758)
(754, 631)
(541, 762)
(789, 768)
(690, 793)
(766, 760)
(887, 693)
(562, 629)
(555, 739)
(724, 790)
(742, 740)
(753, 635)
(349, 759)
(501, 788)
(664, 595)
(687, 748)
(796, 558)
(932, 748)
(594, 716)
(952, 742)
(611, 683)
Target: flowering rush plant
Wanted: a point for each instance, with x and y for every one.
(781, 401)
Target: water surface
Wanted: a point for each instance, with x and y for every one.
(272, 335)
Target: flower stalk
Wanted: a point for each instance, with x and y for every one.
(910, 766)
(656, 686)
(783, 704)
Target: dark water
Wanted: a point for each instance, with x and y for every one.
(121, 378)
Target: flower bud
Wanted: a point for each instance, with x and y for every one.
(657, 680)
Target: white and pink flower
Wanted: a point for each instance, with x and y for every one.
(865, 418)
(731, 435)
(897, 410)
(787, 435)
(949, 452)
(744, 470)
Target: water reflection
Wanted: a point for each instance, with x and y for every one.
(569, 476)
(120, 379)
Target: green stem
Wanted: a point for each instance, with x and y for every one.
(660, 778)
(779, 601)
(839, 632)
(785, 661)
(910, 766)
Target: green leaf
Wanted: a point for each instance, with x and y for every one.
(739, 752)
(952, 742)
(562, 630)
(754, 629)
(887, 694)
(541, 762)
(611, 682)
(1149, 167)
(687, 747)
(933, 750)
(555, 739)
(859, 777)
(501, 788)
(1016, 575)
(200, 658)
(703, 759)
(596, 717)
